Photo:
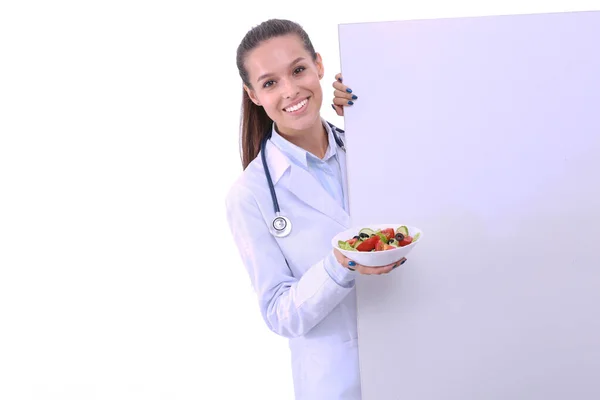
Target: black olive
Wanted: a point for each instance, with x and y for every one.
(399, 237)
(356, 237)
(364, 235)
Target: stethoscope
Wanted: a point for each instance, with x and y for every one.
(281, 226)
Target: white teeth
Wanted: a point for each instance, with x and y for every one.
(297, 106)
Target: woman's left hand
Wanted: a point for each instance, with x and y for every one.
(361, 269)
(342, 96)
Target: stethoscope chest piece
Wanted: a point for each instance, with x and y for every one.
(281, 226)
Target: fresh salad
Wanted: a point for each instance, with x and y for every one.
(380, 240)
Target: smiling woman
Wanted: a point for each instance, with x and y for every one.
(282, 77)
(305, 287)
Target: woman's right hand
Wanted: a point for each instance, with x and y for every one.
(350, 264)
(342, 96)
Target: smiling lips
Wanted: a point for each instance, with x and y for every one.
(296, 107)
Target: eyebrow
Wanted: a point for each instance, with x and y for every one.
(263, 76)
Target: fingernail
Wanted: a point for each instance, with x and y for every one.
(350, 102)
(349, 90)
(354, 96)
(340, 79)
(395, 266)
(351, 263)
(403, 261)
(332, 106)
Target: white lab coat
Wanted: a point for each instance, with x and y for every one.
(298, 299)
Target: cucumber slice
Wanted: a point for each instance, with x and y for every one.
(417, 236)
(357, 243)
(393, 242)
(367, 231)
(403, 230)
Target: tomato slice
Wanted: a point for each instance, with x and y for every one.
(389, 233)
(406, 241)
(369, 244)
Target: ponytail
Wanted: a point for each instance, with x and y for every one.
(254, 124)
(255, 121)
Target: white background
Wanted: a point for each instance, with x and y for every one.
(118, 142)
(499, 127)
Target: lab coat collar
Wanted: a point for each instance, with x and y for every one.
(294, 152)
(298, 154)
(277, 162)
(304, 186)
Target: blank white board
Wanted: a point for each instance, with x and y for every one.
(484, 132)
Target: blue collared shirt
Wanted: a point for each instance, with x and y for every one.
(328, 173)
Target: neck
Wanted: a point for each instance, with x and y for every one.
(314, 140)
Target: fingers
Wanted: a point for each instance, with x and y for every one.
(399, 262)
(342, 95)
(343, 89)
(339, 110)
(374, 270)
(361, 269)
(353, 266)
(343, 98)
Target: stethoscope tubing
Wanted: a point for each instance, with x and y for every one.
(284, 222)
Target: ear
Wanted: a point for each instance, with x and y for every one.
(252, 95)
(320, 66)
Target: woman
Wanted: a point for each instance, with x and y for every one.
(305, 288)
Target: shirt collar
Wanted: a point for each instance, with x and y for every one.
(298, 154)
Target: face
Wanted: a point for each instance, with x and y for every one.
(286, 82)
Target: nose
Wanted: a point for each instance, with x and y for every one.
(289, 89)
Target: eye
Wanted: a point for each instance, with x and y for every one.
(268, 83)
(299, 69)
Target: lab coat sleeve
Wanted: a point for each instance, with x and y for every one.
(341, 275)
(291, 307)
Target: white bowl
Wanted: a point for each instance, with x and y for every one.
(376, 258)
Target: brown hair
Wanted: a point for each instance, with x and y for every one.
(254, 120)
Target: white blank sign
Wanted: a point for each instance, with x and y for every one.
(485, 133)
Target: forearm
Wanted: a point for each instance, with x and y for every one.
(297, 306)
